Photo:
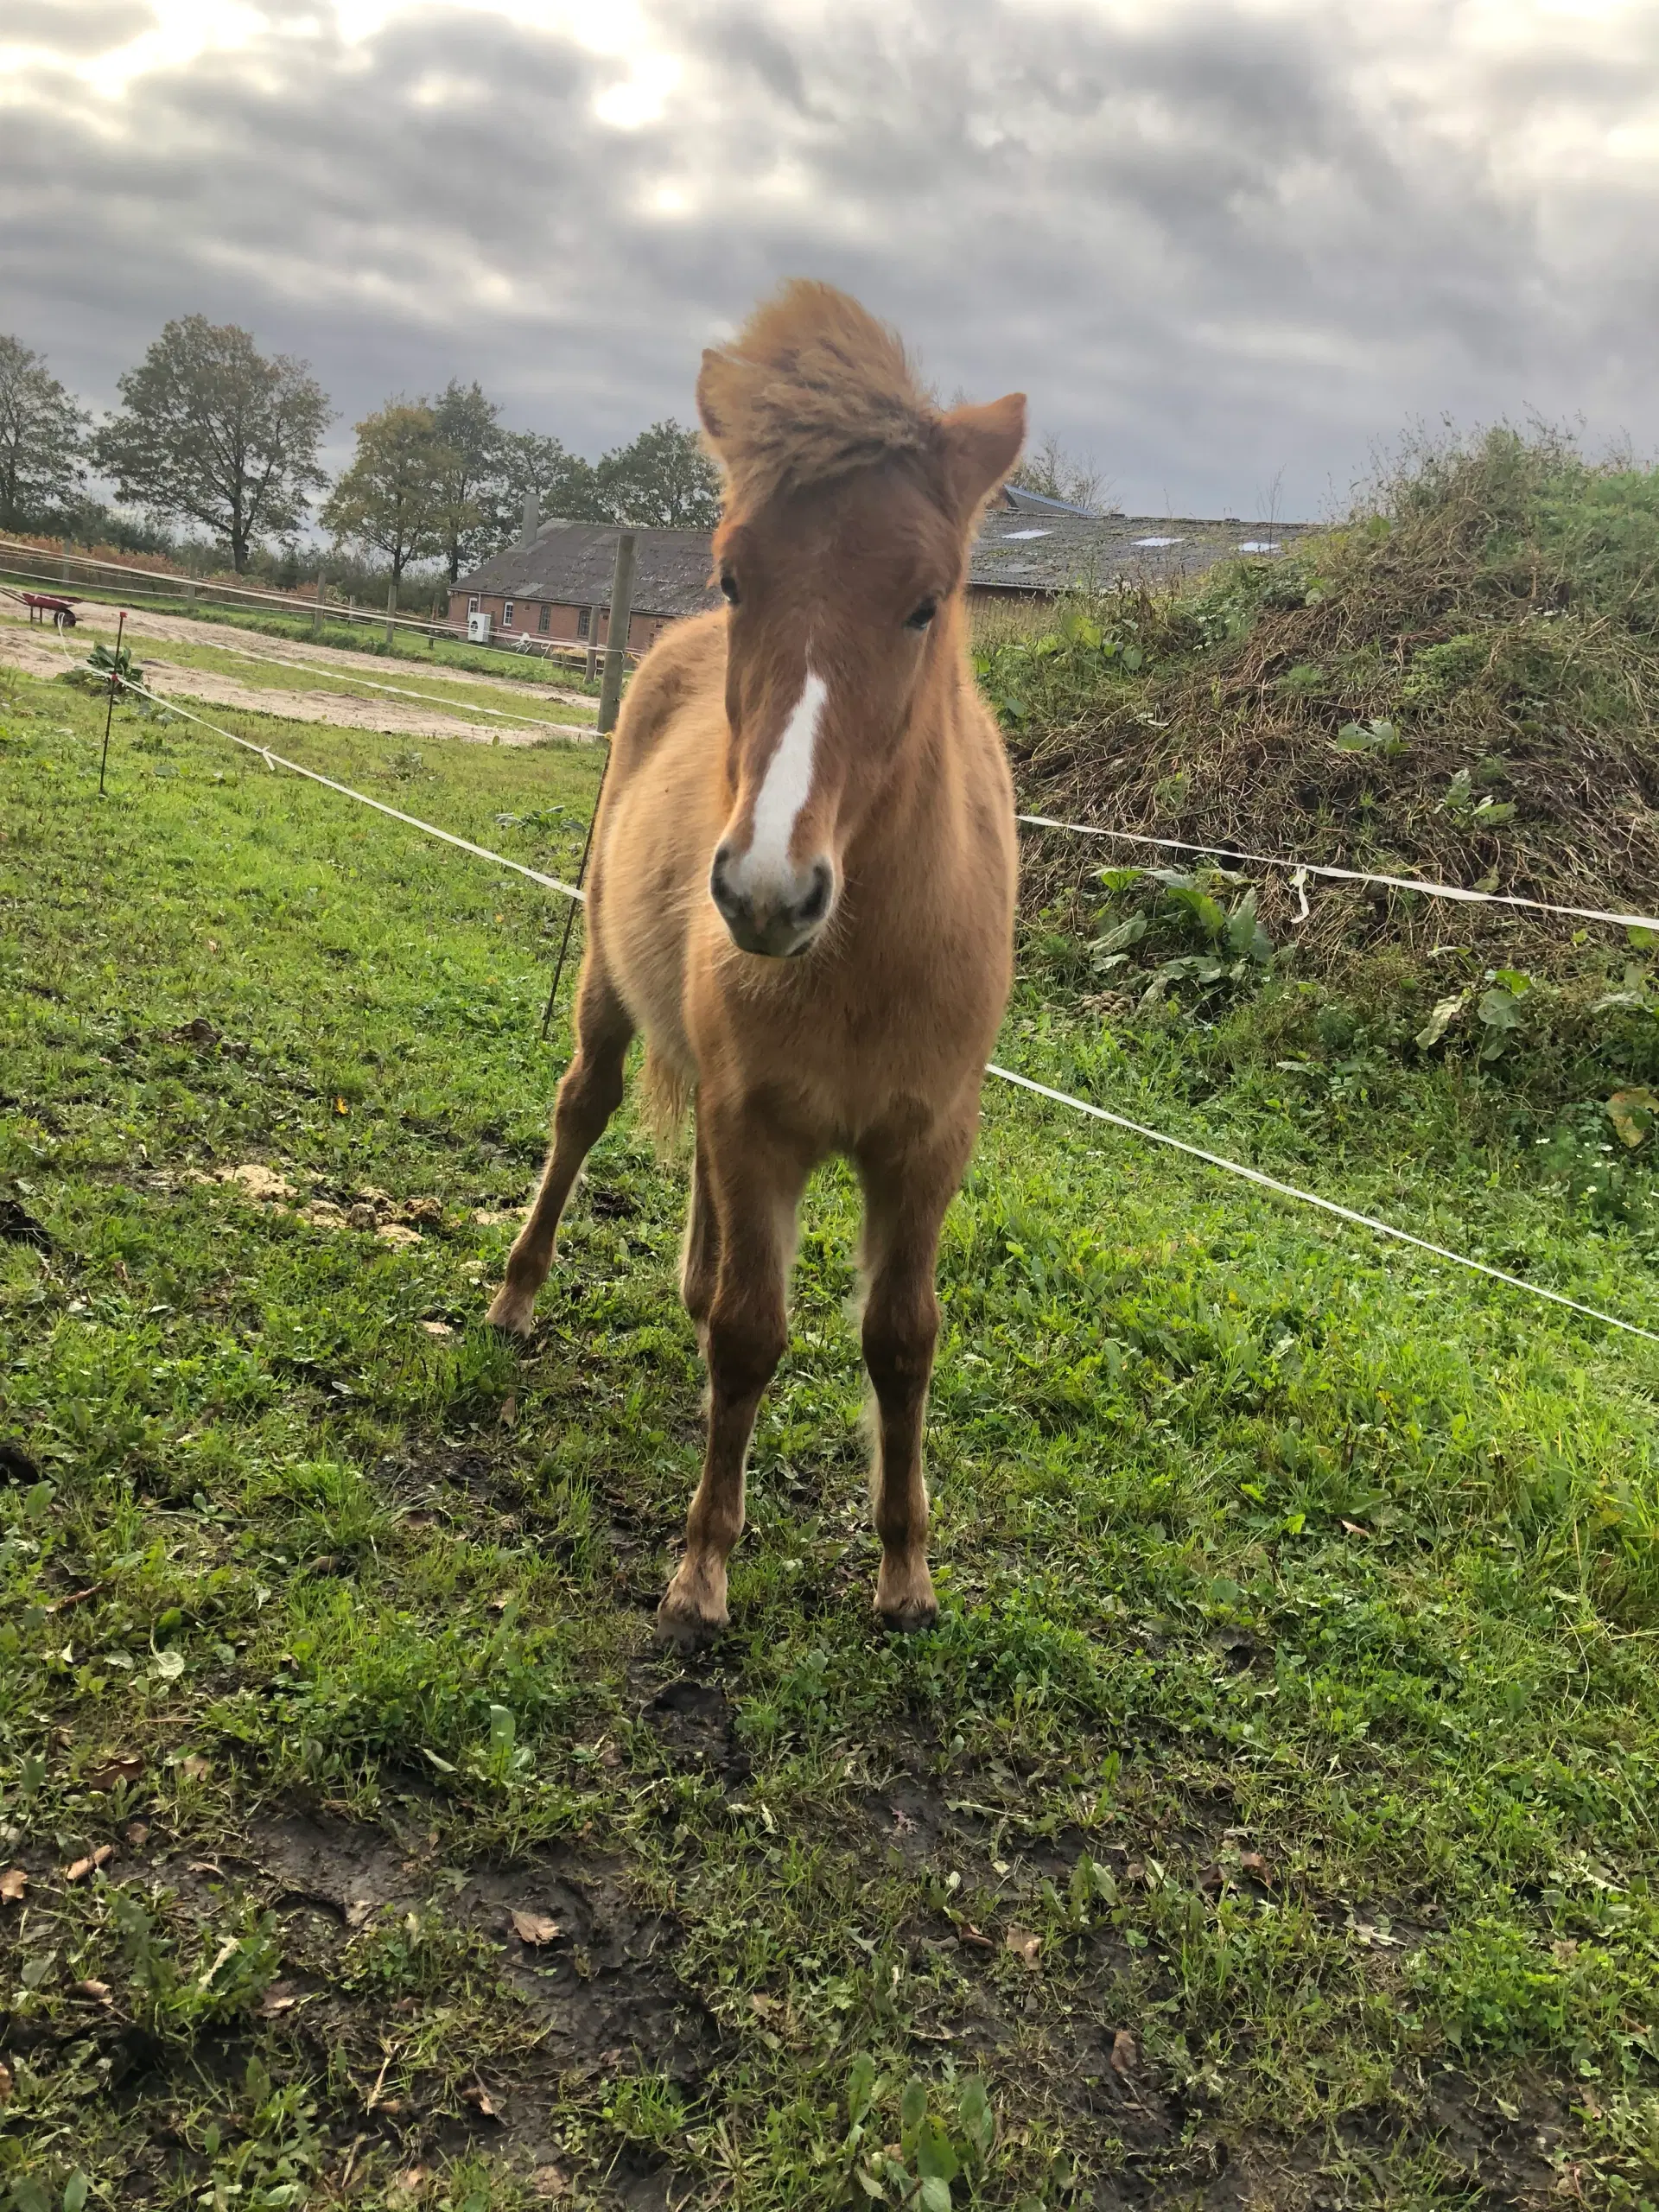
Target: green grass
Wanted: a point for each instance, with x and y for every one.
(1294, 1688)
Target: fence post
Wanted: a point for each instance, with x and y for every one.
(190, 596)
(391, 606)
(616, 635)
(592, 670)
(316, 612)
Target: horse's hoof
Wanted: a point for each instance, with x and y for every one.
(909, 1620)
(680, 1630)
(513, 1315)
(904, 1603)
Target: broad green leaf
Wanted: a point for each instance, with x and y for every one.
(935, 2195)
(1127, 932)
(75, 2193)
(860, 2083)
(935, 2158)
(912, 2106)
(974, 2112)
(1500, 1010)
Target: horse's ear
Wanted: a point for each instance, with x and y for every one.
(981, 445)
(715, 373)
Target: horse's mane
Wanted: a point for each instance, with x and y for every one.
(811, 387)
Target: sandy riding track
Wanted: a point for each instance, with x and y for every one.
(41, 653)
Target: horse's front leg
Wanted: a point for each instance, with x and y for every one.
(752, 1183)
(907, 1190)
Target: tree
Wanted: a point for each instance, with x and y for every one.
(1054, 474)
(212, 431)
(43, 437)
(391, 498)
(469, 427)
(563, 481)
(665, 478)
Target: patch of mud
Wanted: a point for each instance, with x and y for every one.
(694, 1723)
(594, 1969)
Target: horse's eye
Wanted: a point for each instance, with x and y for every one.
(728, 585)
(923, 615)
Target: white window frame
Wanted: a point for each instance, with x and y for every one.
(507, 614)
(472, 604)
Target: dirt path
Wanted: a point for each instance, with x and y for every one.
(38, 652)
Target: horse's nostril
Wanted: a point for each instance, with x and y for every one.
(816, 904)
(719, 889)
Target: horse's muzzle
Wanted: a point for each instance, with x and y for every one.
(777, 923)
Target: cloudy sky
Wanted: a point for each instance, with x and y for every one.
(1227, 246)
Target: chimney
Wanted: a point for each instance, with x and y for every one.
(532, 521)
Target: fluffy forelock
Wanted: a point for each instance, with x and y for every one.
(812, 386)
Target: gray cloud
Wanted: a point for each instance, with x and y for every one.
(1223, 245)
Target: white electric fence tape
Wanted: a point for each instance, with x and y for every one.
(1309, 1199)
(1344, 875)
(274, 760)
(1003, 1075)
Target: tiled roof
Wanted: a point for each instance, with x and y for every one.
(571, 563)
(1047, 551)
(1051, 552)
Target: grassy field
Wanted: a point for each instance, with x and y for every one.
(1268, 1822)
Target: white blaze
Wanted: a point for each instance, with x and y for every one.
(783, 792)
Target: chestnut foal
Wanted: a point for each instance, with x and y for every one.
(803, 891)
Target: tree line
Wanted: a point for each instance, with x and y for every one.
(212, 435)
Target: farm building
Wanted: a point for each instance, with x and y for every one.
(555, 585)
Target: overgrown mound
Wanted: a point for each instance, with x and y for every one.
(1458, 682)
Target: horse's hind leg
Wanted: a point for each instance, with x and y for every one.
(907, 1190)
(589, 1095)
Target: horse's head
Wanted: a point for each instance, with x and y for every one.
(851, 507)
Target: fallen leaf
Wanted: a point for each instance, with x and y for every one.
(1124, 2054)
(195, 1768)
(438, 1329)
(228, 1949)
(549, 2182)
(5, 2082)
(1354, 1528)
(168, 1666)
(13, 1882)
(127, 1767)
(96, 1992)
(482, 2101)
(393, 1232)
(536, 1928)
(359, 1912)
(760, 2003)
(410, 2182)
(1025, 1946)
(83, 1867)
(902, 1822)
(1632, 1114)
(137, 1833)
(1252, 1862)
(969, 1934)
(278, 1999)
